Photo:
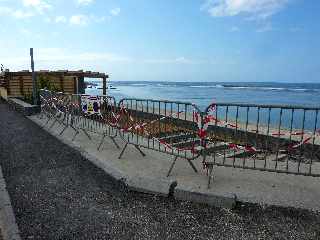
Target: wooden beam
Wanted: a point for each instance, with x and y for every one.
(21, 85)
(75, 85)
(61, 83)
(9, 77)
(63, 73)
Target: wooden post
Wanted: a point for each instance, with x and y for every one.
(75, 85)
(61, 83)
(81, 85)
(104, 86)
(8, 83)
(34, 81)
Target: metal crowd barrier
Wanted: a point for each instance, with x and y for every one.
(55, 106)
(80, 112)
(94, 114)
(273, 138)
(166, 126)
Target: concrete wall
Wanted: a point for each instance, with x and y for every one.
(3, 93)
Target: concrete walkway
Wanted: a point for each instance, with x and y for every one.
(247, 185)
(57, 194)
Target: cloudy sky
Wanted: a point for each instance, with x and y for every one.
(170, 40)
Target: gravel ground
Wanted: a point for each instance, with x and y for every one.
(56, 194)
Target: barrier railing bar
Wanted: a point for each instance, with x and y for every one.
(226, 119)
(302, 137)
(313, 140)
(257, 131)
(246, 134)
(267, 139)
(301, 107)
(236, 132)
(290, 137)
(278, 140)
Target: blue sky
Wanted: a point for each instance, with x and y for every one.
(169, 40)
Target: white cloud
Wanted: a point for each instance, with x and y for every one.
(39, 5)
(103, 57)
(253, 8)
(25, 31)
(99, 19)
(79, 20)
(183, 60)
(48, 19)
(115, 11)
(60, 54)
(59, 58)
(30, 9)
(60, 19)
(84, 2)
(21, 14)
(5, 10)
(83, 20)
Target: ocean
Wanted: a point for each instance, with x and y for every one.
(204, 93)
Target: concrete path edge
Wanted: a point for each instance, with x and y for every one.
(149, 185)
(23, 107)
(187, 194)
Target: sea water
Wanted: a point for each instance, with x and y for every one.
(204, 93)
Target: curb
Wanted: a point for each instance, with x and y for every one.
(8, 225)
(23, 107)
(149, 185)
(187, 194)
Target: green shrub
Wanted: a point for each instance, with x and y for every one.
(43, 82)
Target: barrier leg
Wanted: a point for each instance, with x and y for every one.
(40, 116)
(210, 175)
(54, 122)
(87, 134)
(49, 118)
(102, 139)
(112, 138)
(139, 149)
(114, 141)
(192, 165)
(74, 137)
(65, 127)
(73, 128)
(124, 148)
(172, 165)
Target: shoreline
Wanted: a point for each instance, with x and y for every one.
(296, 134)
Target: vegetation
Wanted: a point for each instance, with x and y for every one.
(43, 82)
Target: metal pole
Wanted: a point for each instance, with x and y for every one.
(104, 86)
(34, 81)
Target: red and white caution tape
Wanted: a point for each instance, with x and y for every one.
(237, 148)
(298, 133)
(141, 127)
(304, 141)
